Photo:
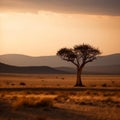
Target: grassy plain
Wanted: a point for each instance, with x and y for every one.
(56, 80)
(22, 97)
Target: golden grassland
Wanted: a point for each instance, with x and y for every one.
(100, 103)
(56, 80)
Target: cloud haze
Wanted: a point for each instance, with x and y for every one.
(97, 7)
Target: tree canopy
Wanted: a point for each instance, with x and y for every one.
(80, 54)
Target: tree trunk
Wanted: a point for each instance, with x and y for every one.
(79, 81)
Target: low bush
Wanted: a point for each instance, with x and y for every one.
(62, 98)
(22, 83)
(32, 102)
(104, 85)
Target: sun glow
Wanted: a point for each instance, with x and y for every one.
(44, 33)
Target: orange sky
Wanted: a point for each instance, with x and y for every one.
(45, 32)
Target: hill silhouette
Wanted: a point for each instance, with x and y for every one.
(4, 68)
(109, 64)
(54, 61)
(111, 69)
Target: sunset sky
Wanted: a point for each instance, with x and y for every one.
(42, 27)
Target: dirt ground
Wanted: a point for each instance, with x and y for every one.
(59, 100)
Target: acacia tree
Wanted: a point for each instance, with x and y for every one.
(80, 55)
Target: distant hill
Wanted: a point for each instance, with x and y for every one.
(23, 60)
(111, 69)
(107, 60)
(55, 61)
(14, 63)
(66, 69)
(4, 68)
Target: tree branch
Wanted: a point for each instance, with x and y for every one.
(90, 60)
(68, 60)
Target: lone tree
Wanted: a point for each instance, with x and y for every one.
(80, 55)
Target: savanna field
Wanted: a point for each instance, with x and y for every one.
(54, 97)
(47, 47)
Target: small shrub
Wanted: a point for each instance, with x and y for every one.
(104, 85)
(22, 83)
(62, 98)
(12, 84)
(86, 103)
(32, 102)
(46, 102)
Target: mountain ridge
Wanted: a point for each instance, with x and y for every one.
(54, 61)
(111, 70)
(5, 68)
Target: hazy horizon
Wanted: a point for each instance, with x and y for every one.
(50, 55)
(42, 27)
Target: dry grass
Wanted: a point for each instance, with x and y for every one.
(62, 98)
(33, 102)
(59, 105)
(92, 98)
(61, 81)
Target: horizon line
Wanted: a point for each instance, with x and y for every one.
(48, 55)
